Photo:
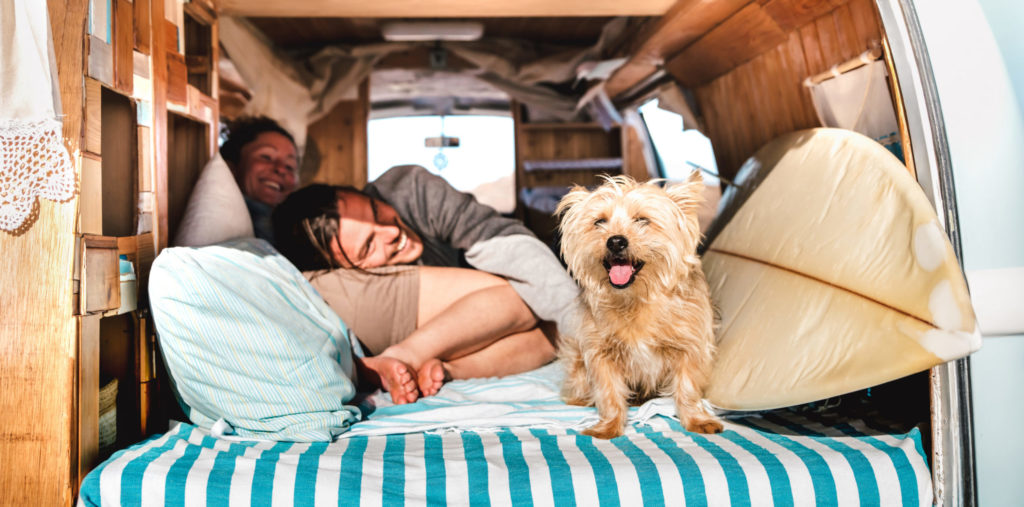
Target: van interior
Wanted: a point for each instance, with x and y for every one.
(513, 102)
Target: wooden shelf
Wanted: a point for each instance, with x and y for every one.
(562, 126)
(574, 164)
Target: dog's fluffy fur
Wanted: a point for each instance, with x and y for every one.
(647, 324)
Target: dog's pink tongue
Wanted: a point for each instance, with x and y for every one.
(620, 273)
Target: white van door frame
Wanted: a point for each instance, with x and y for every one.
(953, 457)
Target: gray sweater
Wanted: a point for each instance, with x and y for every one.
(458, 231)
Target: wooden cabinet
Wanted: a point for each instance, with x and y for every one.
(552, 155)
(63, 328)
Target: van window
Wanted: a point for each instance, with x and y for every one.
(483, 163)
(679, 150)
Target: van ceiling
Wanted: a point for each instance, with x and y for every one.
(404, 83)
(442, 8)
(310, 33)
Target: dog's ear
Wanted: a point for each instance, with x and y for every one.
(688, 195)
(575, 196)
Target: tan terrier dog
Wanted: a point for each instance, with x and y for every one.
(647, 325)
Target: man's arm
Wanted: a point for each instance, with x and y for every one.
(493, 243)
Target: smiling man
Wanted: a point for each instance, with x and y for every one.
(263, 158)
(425, 274)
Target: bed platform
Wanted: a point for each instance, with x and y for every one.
(782, 457)
(775, 459)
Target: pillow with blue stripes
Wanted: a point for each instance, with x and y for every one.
(246, 339)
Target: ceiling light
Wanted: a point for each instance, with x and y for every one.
(406, 31)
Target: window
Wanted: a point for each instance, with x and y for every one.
(483, 164)
(679, 151)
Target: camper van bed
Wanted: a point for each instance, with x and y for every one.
(510, 441)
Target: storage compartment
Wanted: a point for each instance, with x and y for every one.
(198, 52)
(118, 345)
(187, 153)
(120, 174)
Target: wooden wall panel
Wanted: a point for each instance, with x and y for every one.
(93, 109)
(37, 329)
(159, 44)
(748, 33)
(677, 28)
(142, 25)
(764, 98)
(336, 144)
(124, 45)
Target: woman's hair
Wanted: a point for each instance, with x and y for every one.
(306, 224)
(244, 131)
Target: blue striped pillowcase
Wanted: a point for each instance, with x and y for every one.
(247, 339)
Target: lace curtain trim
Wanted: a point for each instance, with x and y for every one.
(33, 163)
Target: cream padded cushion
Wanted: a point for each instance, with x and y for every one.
(833, 276)
(216, 210)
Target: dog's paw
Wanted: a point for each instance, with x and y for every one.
(704, 425)
(573, 400)
(604, 430)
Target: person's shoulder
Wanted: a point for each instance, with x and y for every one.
(407, 177)
(399, 172)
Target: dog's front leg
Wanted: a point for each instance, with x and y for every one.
(610, 392)
(691, 410)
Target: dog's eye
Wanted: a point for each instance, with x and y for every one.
(641, 220)
(599, 222)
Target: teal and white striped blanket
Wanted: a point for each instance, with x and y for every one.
(510, 442)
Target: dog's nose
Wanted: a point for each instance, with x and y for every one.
(616, 244)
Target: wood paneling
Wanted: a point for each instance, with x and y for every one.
(790, 14)
(101, 61)
(93, 141)
(124, 45)
(765, 97)
(88, 390)
(159, 44)
(746, 34)
(441, 8)
(37, 331)
(679, 27)
(142, 26)
(177, 79)
(90, 197)
(336, 144)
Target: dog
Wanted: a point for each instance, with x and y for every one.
(647, 323)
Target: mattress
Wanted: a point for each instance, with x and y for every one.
(510, 441)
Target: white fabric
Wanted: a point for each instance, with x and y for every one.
(216, 210)
(295, 93)
(525, 399)
(33, 159)
(858, 100)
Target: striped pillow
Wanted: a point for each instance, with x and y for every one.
(247, 339)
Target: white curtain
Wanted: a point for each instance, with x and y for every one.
(859, 100)
(34, 162)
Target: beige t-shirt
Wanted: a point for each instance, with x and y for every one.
(380, 307)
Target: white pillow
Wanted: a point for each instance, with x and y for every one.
(216, 209)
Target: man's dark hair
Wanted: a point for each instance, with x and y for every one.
(306, 225)
(244, 131)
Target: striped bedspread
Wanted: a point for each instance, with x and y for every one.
(769, 459)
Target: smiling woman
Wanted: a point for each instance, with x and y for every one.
(262, 157)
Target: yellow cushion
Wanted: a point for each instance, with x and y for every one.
(833, 276)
